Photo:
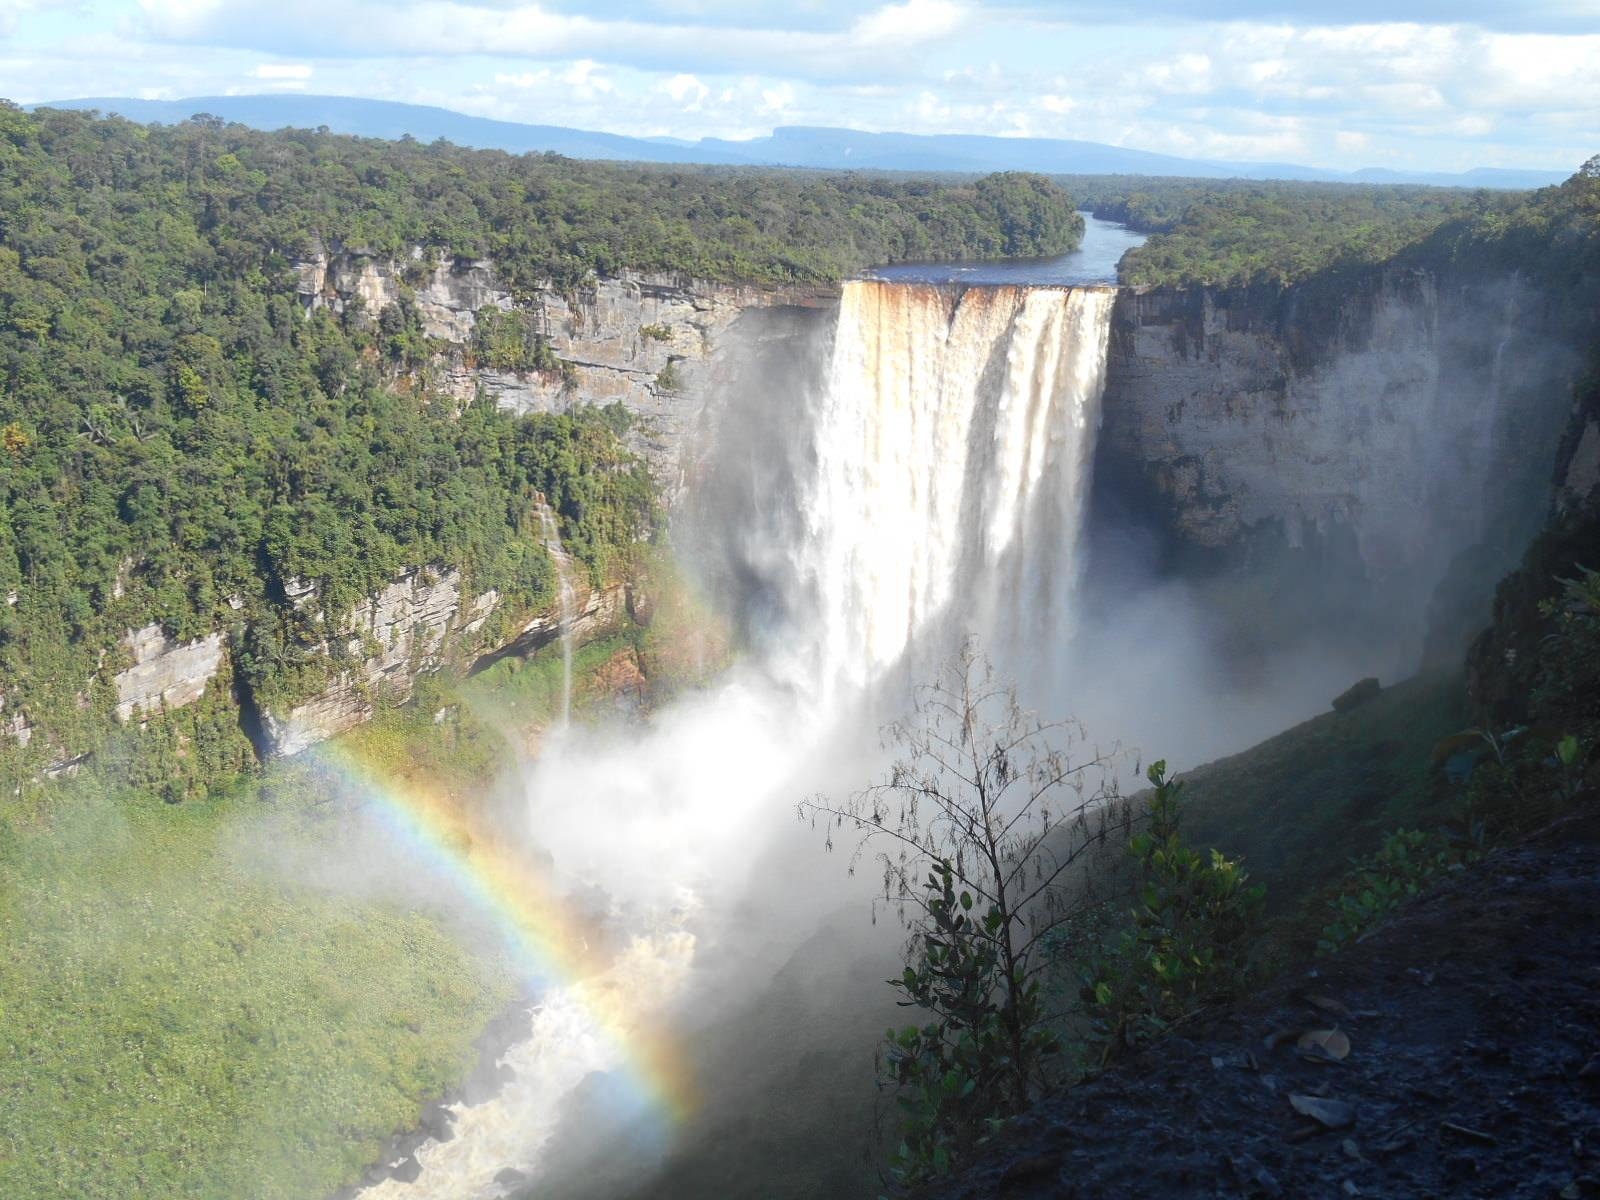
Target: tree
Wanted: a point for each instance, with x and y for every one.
(983, 831)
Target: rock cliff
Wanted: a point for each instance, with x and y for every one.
(650, 342)
(1368, 430)
(389, 639)
(165, 673)
(420, 623)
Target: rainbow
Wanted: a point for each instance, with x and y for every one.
(550, 942)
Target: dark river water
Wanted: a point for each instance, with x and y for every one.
(1104, 242)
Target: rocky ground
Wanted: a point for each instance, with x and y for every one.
(1469, 1064)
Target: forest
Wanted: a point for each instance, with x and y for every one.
(183, 442)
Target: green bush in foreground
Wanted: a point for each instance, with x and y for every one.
(1190, 937)
(986, 829)
(1401, 869)
(991, 832)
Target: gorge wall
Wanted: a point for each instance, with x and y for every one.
(1360, 439)
(656, 344)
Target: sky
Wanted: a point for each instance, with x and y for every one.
(1409, 84)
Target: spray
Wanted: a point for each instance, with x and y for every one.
(563, 562)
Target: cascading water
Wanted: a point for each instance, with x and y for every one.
(951, 451)
(563, 562)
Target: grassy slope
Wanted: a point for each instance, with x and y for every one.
(177, 1020)
(1300, 805)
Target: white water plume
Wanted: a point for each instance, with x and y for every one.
(952, 448)
(563, 562)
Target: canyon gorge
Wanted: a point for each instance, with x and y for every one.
(1330, 438)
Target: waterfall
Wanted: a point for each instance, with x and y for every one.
(953, 448)
(563, 562)
(949, 458)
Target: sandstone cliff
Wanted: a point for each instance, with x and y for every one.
(651, 342)
(1367, 430)
(421, 622)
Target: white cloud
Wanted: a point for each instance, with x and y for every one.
(686, 90)
(897, 26)
(777, 100)
(870, 46)
(1441, 93)
(585, 80)
(1187, 74)
(523, 79)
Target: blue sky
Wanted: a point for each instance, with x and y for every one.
(1418, 84)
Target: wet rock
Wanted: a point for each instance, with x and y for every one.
(408, 1170)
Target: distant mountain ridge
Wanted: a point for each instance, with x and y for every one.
(792, 146)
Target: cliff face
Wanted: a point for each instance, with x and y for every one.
(165, 673)
(1372, 431)
(654, 343)
(650, 342)
(419, 623)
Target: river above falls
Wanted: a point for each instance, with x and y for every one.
(1094, 262)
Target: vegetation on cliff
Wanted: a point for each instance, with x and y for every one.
(184, 445)
(1308, 808)
(250, 996)
(262, 197)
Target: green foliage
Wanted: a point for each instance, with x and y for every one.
(1566, 694)
(1238, 232)
(1300, 805)
(542, 218)
(655, 333)
(962, 1074)
(1407, 863)
(1233, 232)
(509, 341)
(1546, 647)
(1190, 937)
(668, 379)
(183, 443)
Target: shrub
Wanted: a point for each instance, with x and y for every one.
(1404, 866)
(987, 827)
(1190, 935)
(669, 379)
